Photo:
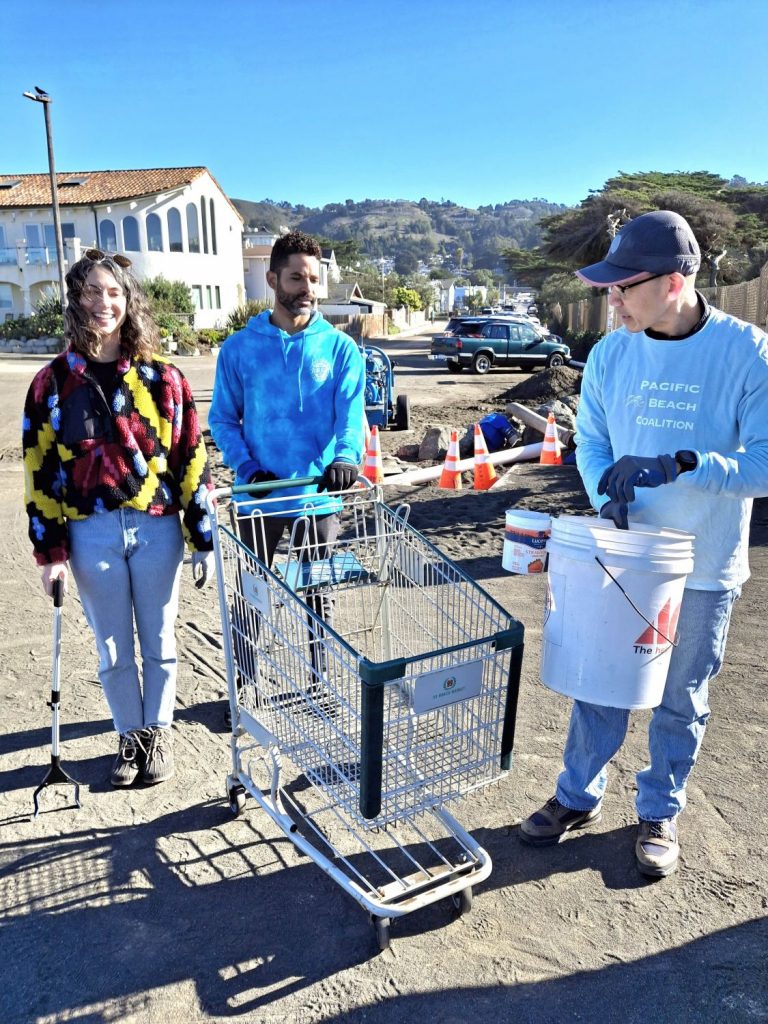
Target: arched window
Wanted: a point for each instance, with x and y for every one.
(204, 219)
(174, 231)
(107, 236)
(131, 234)
(154, 233)
(193, 232)
(214, 250)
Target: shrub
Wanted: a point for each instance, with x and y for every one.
(580, 343)
(240, 315)
(47, 321)
(210, 336)
(167, 296)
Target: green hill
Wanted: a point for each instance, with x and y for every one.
(391, 227)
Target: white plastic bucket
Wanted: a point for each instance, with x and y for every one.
(613, 600)
(525, 541)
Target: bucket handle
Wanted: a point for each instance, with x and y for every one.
(655, 628)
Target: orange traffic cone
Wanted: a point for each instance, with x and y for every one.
(485, 474)
(550, 453)
(374, 467)
(450, 478)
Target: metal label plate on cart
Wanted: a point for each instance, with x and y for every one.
(435, 690)
(256, 592)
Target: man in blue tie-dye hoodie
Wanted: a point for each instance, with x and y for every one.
(288, 403)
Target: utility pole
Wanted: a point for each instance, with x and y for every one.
(40, 96)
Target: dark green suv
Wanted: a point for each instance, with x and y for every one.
(483, 344)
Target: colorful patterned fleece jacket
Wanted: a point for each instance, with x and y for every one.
(85, 452)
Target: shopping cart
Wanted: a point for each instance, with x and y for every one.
(380, 674)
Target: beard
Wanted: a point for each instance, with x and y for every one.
(296, 305)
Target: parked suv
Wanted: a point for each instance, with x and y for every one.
(484, 343)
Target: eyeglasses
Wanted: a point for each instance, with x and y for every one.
(96, 254)
(620, 289)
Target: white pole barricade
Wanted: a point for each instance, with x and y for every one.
(421, 476)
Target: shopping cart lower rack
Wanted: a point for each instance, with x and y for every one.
(378, 674)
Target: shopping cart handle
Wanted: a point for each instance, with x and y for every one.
(57, 592)
(275, 485)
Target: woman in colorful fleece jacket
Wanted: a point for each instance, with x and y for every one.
(112, 454)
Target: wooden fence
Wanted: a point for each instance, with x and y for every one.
(748, 301)
(374, 325)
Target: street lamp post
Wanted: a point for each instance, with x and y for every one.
(40, 96)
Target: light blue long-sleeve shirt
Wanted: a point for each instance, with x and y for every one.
(289, 404)
(707, 393)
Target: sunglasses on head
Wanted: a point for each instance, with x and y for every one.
(96, 254)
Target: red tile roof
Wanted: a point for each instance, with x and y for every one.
(95, 186)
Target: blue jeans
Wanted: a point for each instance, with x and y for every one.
(128, 564)
(677, 725)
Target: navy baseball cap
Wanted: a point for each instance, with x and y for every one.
(660, 242)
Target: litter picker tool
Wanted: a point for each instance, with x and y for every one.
(56, 773)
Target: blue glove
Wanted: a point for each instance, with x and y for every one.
(203, 567)
(617, 511)
(339, 476)
(620, 480)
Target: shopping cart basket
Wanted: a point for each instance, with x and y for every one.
(382, 674)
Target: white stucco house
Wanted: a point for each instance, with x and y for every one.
(174, 221)
(257, 248)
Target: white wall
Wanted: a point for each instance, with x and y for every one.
(204, 272)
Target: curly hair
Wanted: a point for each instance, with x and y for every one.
(139, 336)
(287, 245)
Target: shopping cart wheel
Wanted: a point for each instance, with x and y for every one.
(381, 924)
(462, 901)
(236, 796)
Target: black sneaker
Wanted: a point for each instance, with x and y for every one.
(159, 762)
(131, 755)
(657, 849)
(551, 823)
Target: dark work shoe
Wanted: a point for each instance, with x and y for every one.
(551, 823)
(657, 849)
(130, 758)
(159, 764)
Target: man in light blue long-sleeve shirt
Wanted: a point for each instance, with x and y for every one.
(672, 430)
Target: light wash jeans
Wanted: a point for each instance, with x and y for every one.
(677, 725)
(128, 564)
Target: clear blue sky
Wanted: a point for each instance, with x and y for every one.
(317, 101)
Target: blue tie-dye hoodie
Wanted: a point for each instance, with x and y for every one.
(288, 403)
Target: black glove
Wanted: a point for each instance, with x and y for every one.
(260, 477)
(617, 511)
(339, 476)
(620, 480)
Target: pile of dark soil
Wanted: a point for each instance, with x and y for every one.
(553, 383)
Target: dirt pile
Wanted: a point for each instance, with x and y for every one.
(556, 382)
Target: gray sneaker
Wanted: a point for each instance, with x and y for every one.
(657, 849)
(552, 822)
(130, 758)
(159, 763)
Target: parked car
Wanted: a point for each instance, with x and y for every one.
(483, 344)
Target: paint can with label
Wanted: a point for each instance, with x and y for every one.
(525, 541)
(613, 601)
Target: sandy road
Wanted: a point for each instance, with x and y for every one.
(155, 906)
